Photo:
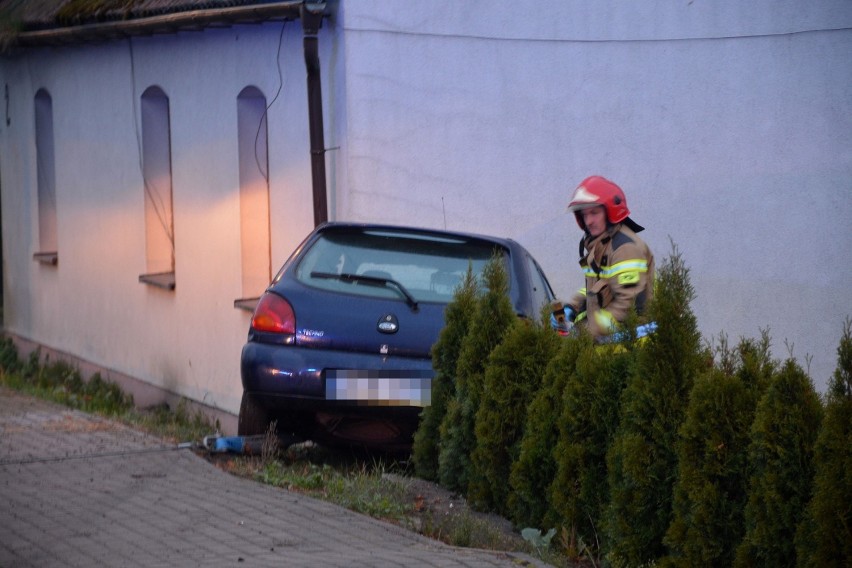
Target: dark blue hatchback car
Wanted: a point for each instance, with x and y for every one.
(339, 349)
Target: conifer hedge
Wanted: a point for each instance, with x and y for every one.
(649, 452)
(711, 488)
(710, 491)
(783, 437)
(824, 539)
(493, 316)
(513, 376)
(587, 424)
(642, 460)
(533, 472)
(445, 353)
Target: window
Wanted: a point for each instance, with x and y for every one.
(254, 196)
(541, 292)
(157, 181)
(46, 175)
(392, 263)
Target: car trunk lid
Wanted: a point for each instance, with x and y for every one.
(365, 325)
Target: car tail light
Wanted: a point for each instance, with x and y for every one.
(274, 314)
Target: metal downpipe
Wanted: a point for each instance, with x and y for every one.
(311, 17)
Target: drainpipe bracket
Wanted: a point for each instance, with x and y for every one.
(311, 15)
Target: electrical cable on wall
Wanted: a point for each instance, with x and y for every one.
(150, 192)
(414, 33)
(266, 110)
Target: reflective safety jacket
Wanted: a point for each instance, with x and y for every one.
(619, 271)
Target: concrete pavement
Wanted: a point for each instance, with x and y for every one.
(79, 490)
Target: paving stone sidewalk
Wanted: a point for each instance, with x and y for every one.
(79, 490)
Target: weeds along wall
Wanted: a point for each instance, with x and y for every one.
(667, 450)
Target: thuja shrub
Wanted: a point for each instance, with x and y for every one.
(642, 460)
(824, 539)
(711, 488)
(513, 375)
(752, 361)
(445, 353)
(533, 471)
(587, 424)
(783, 436)
(492, 317)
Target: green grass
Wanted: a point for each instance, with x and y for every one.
(362, 489)
(61, 383)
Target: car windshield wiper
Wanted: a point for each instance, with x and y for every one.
(370, 280)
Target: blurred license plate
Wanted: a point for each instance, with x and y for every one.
(379, 388)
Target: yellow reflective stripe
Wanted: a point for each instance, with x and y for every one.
(632, 265)
(605, 321)
(636, 265)
(582, 291)
(628, 278)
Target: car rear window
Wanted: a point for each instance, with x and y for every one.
(428, 266)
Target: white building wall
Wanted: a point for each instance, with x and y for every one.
(91, 305)
(728, 124)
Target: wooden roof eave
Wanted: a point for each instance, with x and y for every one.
(193, 20)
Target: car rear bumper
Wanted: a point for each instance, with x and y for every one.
(290, 376)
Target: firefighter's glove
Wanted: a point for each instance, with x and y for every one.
(561, 320)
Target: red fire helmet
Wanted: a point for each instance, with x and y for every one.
(597, 190)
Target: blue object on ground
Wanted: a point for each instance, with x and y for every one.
(234, 444)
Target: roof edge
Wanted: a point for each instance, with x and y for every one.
(192, 20)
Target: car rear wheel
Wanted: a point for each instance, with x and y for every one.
(254, 419)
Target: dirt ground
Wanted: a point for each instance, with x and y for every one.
(435, 511)
(442, 514)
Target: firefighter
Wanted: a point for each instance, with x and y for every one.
(618, 266)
